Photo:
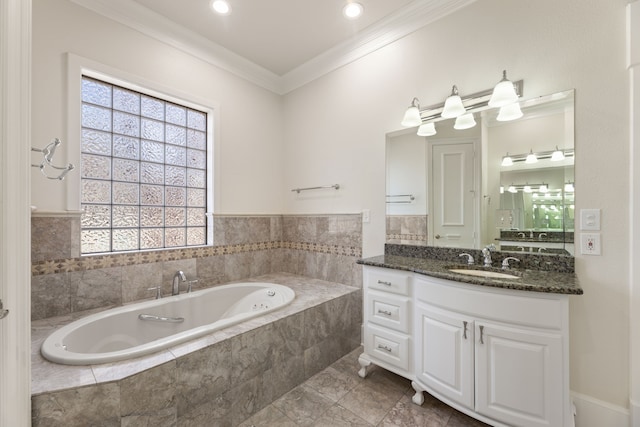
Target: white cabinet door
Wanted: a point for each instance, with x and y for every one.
(444, 353)
(519, 377)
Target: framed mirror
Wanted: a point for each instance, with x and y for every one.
(458, 189)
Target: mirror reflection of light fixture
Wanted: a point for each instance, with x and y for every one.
(427, 129)
(509, 112)
(507, 161)
(412, 115)
(557, 155)
(504, 92)
(543, 188)
(453, 105)
(531, 158)
(465, 121)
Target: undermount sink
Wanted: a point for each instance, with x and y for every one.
(484, 273)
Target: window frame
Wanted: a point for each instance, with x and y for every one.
(77, 67)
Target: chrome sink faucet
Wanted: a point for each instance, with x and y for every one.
(505, 262)
(486, 253)
(470, 260)
(178, 278)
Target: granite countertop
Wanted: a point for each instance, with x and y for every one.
(528, 279)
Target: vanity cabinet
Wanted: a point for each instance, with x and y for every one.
(499, 355)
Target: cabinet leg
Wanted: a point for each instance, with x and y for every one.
(364, 364)
(417, 398)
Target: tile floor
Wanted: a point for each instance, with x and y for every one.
(338, 397)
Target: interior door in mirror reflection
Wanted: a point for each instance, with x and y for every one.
(453, 208)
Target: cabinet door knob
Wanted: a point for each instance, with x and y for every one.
(437, 236)
(464, 333)
(481, 332)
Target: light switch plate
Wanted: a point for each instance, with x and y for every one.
(590, 219)
(366, 216)
(590, 244)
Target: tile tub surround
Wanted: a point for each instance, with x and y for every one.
(221, 379)
(325, 247)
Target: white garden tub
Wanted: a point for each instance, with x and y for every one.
(135, 330)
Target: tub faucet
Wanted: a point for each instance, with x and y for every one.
(177, 279)
(486, 253)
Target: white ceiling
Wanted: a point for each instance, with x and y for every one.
(278, 44)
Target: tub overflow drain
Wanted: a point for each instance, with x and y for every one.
(271, 292)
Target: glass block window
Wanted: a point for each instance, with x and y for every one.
(143, 173)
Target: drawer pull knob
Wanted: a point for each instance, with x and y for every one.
(385, 312)
(481, 332)
(464, 333)
(384, 347)
(382, 282)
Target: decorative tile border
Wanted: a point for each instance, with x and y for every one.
(94, 262)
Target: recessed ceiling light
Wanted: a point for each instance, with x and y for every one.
(353, 10)
(221, 6)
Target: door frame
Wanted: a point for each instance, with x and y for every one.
(15, 212)
(477, 177)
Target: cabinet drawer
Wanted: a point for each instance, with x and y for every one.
(387, 346)
(388, 310)
(387, 280)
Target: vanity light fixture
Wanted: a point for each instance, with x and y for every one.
(504, 92)
(427, 129)
(507, 161)
(527, 189)
(569, 188)
(502, 189)
(531, 158)
(557, 155)
(412, 115)
(509, 112)
(352, 10)
(543, 188)
(221, 7)
(453, 105)
(512, 189)
(465, 121)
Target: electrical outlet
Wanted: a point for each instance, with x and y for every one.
(590, 244)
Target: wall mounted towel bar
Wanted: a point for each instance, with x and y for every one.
(298, 190)
(411, 198)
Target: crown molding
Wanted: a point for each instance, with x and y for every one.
(397, 25)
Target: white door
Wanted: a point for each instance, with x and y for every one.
(519, 375)
(15, 181)
(444, 353)
(453, 187)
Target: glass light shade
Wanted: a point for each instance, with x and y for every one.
(504, 92)
(465, 121)
(412, 115)
(427, 129)
(557, 155)
(507, 161)
(502, 189)
(543, 188)
(568, 187)
(453, 105)
(509, 112)
(531, 158)
(527, 189)
(512, 189)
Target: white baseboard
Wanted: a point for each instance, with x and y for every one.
(592, 412)
(635, 414)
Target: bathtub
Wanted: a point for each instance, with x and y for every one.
(138, 329)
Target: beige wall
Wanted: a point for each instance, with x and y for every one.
(553, 46)
(333, 129)
(249, 129)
